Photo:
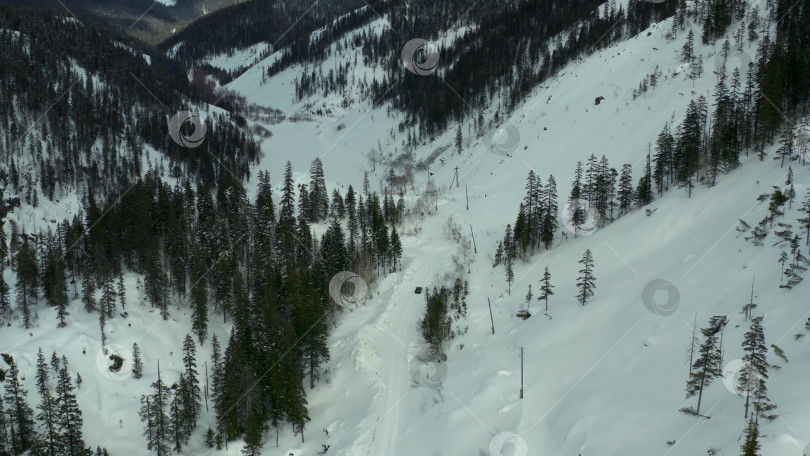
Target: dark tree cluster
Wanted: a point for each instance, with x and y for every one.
(479, 71)
(597, 188)
(751, 106)
(113, 116)
(211, 251)
(443, 306)
(54, 426)
(284, 23)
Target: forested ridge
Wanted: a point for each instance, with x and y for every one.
(84, 112)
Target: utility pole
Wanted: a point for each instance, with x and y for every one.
(490, 316)
(475, 249)
(467, 194)
(521, 372)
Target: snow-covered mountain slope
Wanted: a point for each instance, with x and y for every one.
(606, 378)
(595, 375)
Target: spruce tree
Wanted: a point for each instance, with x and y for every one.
(396, 248)
(753, 377)
(199, 299)
(192, 393)
(626, 189)
(529, 296)
(585, 282)
(176, 428)
(706, 367)
(47, 416)
(54, 283)
(318, 195)
(89, 292)
(755, 362)
(122, 292)
(253, 436)
(510, 273)
(22, 431)
(509, 256)
(545, 288)
(27, 287)
(549, 212)
(109, 298)
(102, 324)
(577, 193)
(5, 438)
(154, 414)
(750, 446)
(70, 416)
(687, 51)
(5, 301)
(137, 364)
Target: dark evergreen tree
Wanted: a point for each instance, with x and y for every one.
(22, 431)
(707, 367)
(754, 374)
(586, 280)
(27, 287)
(626, 189)
(55, 283)
(137, 364)
(5, 301)
(177, 423)
(436, 325)
(549, 211)
(89, 292)
(109, 298)
(50, 440)
(750, 446)
(5, 439)
(156, 284)
(545, 288)
(286, 226)
(191, 389)
(318, 195)
(199, 300)
(154, 414)
(122, 292)
(69, 415)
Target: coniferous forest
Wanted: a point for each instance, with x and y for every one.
(84, 109)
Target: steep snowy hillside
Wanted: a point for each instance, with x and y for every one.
(595, 375)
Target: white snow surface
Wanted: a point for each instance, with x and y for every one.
(602, 379)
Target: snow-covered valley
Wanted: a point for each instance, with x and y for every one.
(603, 378)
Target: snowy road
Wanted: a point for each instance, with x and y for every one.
(400, 323)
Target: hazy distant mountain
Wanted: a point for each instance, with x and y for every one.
(152, 22)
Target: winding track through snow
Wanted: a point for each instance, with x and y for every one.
(400, 323)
